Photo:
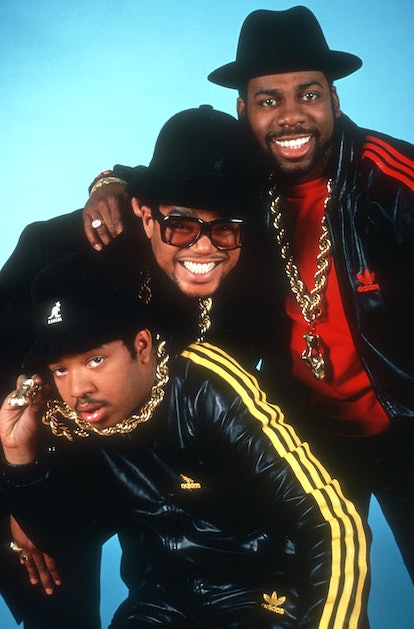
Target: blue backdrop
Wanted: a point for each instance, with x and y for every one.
(89, 83)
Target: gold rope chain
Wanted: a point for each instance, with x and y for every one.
(57, 411)
(204, 319)
(310, 302)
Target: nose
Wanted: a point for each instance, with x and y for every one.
(203, 244)
(80, 383)
(290, 113)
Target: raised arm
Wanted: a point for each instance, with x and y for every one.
(19, 432)
(108, 203)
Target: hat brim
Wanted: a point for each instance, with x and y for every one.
(79, 338)
(224, 195)
(335, 65)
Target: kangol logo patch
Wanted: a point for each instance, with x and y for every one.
(55, 314)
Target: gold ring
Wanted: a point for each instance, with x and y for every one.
(97, 223)
(15, 548)
(27, 393)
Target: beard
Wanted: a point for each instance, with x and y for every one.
(306, 169)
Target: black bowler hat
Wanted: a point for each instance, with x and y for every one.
(79, 303)
(273, 42)
(199, 162)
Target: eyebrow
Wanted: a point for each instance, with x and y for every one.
(59, 359)
(179, 211)
(274, 91)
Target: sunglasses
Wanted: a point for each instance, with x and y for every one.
(184, 231)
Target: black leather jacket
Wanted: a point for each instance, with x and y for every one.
(218, 504)
(371, 224)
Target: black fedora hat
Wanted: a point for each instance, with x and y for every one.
(80, 302)
(198, 162)
(274, 42)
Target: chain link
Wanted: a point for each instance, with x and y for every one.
(204, 319)
(310, 302)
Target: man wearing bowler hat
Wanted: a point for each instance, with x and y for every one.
(339, 205)
(225, 517)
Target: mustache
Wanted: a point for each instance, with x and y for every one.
(88, 401)
(287, 132)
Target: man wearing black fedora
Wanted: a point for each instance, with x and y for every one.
(340, 203)
(225, 517)
(340, 235)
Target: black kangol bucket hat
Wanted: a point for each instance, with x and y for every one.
(199, 162)
(79, 303)
(273, 42)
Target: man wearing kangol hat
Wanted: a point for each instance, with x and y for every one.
(340, 238)
(225, 517)
(195, 220)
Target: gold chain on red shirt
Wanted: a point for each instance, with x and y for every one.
(310, 302)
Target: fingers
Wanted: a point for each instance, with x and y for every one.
(41, 569)
(103, 214)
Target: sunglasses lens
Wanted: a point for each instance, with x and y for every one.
(181, 232)
(225, 234)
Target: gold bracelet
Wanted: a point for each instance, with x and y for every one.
(105, 180)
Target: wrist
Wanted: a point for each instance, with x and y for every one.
(23, 473)
(104, 180)
(19, 456)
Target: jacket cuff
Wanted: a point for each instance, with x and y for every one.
(23, 474)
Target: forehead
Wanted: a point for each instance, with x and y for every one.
(179, 210)
(287, 81)
(107, 348)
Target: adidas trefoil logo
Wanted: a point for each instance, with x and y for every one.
(55, 314)
(367, 281)
(189, 483)
(273, 603)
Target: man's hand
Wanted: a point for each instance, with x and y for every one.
(20, 423)
(40, 567)
(107, 205)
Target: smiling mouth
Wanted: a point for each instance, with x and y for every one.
(199, 268)
(292, 144)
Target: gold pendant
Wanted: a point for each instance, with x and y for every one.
(313, 357)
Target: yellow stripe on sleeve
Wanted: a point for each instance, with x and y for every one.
(349, 550)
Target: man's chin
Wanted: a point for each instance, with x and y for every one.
(197, 290)
(292, 172)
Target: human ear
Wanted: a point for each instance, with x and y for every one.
(241, 107)
(147, 220)
(143, 345)
(335, 102)
(137, 206)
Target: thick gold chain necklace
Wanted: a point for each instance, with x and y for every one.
(64, 421)
(204, 319)
(310, 302)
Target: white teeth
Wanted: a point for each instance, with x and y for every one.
(199, 269)
(293, 144)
